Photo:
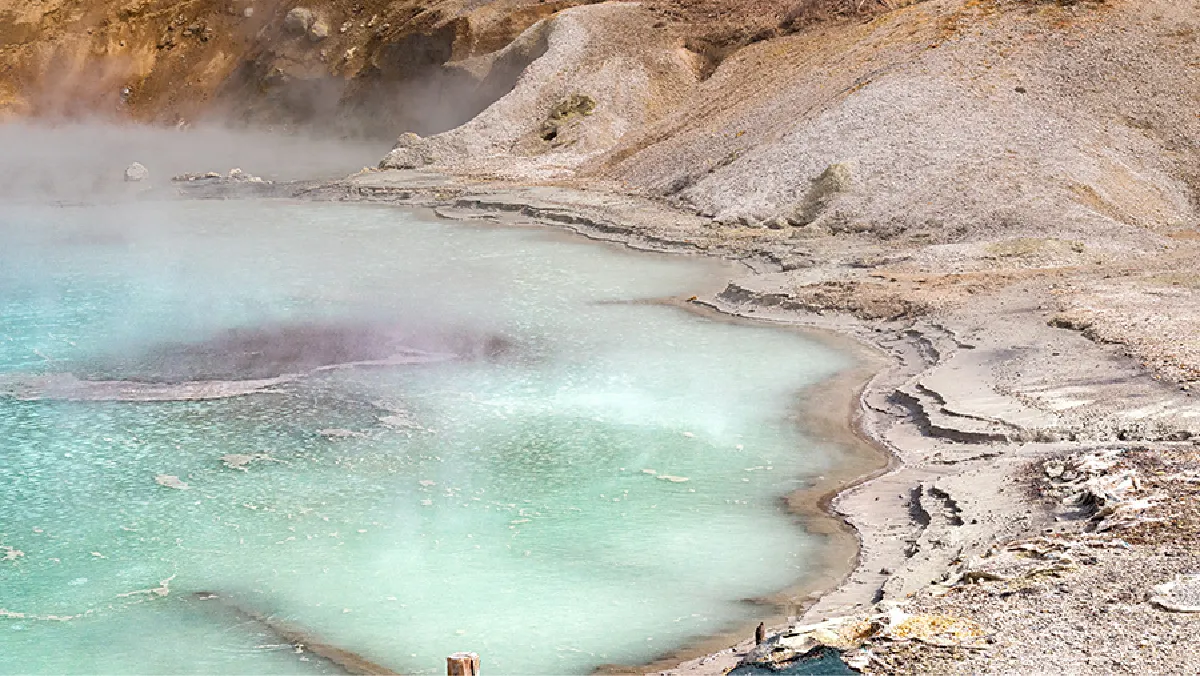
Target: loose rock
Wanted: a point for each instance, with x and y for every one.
(171, 481)
(1181, 595)
(299, 20)
(318, 31)
(409, 152)
(136, 172)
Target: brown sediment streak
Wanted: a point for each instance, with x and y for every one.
(68, 387)
(348, 662)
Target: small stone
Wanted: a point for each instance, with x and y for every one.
(136, 172)
(171, 481)
(318, 31)
(1181, 595)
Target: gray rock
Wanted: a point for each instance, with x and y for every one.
(1181, 595)
(240, 176)
(299, 20)
(410, 152)
(171, 481)
(339, 433)
(834, 180)
(136, 172)
(318, 31)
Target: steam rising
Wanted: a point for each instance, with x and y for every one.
(84, 161)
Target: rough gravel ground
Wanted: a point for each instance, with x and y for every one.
(1098, 619)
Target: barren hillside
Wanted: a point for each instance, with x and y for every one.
(982, 141)
(375, 67)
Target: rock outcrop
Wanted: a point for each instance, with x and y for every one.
(594, 75)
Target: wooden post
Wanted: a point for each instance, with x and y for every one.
(462, 664)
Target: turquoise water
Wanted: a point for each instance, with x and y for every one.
(503, 493)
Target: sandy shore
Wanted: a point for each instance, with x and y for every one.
(970, 394)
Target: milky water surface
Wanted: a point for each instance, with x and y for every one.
(504, 495)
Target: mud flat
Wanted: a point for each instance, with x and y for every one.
(982, 394)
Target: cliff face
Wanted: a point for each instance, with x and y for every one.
(364, 66)
(373, 67)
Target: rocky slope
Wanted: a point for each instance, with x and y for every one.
(361, 67)
(942, 150)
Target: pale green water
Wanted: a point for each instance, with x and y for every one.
(512, 517)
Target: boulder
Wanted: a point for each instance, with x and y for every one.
(1181, 595)
(299, 20)
(239, 176)
(318, 31)
(410, 152)
(242, 461)
(171, 481)
(136, 172)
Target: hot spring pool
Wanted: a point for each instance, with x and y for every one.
(457, 438)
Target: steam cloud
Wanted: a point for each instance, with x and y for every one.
(82, 161)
